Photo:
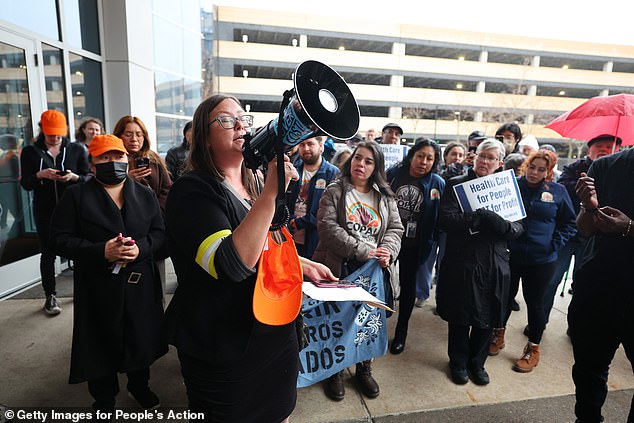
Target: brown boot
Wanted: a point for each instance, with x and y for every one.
(529, 360)
(334, 388)
(366, 382)
(497, 341)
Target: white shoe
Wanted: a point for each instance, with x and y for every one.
(51, 306)
(420, 302)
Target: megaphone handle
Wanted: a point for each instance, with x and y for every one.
(281, 211)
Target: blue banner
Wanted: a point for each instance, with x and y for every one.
(342, 333)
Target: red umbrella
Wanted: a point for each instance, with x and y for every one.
(610, 115)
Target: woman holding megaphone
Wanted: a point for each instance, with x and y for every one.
(238, 350)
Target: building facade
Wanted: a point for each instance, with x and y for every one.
(438, 83)
(99, 58)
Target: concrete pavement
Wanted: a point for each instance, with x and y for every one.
(415, 386)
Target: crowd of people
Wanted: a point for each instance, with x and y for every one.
(117, 209)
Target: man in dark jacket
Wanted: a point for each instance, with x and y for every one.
(597, 147)
(48, 167)
(601, 313)
(176, 156)
(303, 196)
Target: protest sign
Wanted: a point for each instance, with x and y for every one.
(497, 192)
(393, 153)
(341, 334)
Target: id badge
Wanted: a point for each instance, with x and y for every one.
(410, 230)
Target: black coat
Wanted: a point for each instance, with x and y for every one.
(474, 278)
(117, 324)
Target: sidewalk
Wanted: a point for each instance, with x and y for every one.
(415, 386)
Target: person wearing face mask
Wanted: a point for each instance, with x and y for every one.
(510, 135)
(112, 227)
(48, 167)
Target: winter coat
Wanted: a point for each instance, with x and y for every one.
(432, 187)
(46, 192)
(316, 187)
(117, 321)
(159, 181)
(474, 278)
(175, 160)
(549, 223)
(336, 245)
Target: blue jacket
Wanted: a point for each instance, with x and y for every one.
(549, 223)
(427, 225)
(318, 183)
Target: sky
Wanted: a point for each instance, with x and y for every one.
(602, 21)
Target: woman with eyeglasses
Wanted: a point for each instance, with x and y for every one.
(235, 368)
(473, 284)
(549, 224)
(145, 166)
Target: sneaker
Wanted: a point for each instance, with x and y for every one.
(51, 306)
(146, 398)
(420, 302)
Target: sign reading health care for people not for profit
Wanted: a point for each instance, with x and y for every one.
(497, 192)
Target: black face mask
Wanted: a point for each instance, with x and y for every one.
(111, 173)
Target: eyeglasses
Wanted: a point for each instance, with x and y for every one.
(488, 158)
(229, 122)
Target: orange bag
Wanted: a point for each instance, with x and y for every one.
(277, 298)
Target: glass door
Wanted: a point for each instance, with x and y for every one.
(20, 95)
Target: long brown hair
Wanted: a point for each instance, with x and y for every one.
(378, 176)
(145, 150)
(201, 157)
(79, 133)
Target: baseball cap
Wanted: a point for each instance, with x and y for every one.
(477, 135)
(605, 137)
(393, 125)
(53, 123)
(104, 143)
(277, 297)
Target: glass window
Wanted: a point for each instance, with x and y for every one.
(82, 24)
(54, 78)
(87, 88)
(39, 16)
(169, 132)
(168, 43)
(17, 228)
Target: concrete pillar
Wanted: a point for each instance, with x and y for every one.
(480, 86)
(532, 90)
(303, 40)
(398, 49)
(535, 61)
(395, 113)
(484, 56)
(604, 93)
(128, 63)
(607, 66)
(478, 117)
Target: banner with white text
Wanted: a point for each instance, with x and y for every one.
(341, 334)
(497, 192)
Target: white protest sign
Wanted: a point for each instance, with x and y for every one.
(393, 153)
(497, 192)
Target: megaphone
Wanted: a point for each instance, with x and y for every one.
(320, 104)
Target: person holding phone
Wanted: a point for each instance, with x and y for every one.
(146, 166)
(112, 227)
(48, 167)
(358, 220)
